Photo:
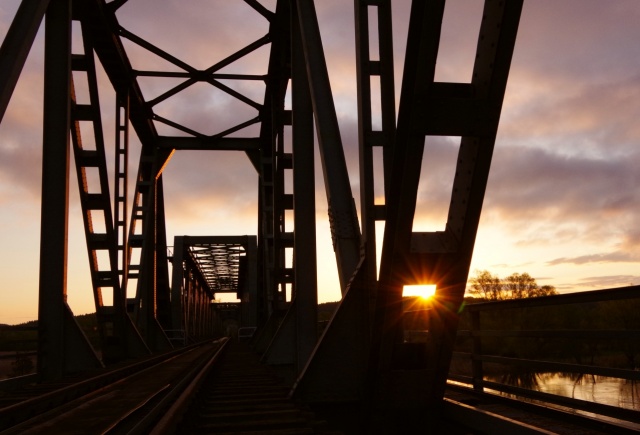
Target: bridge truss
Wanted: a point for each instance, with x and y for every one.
(363, 347)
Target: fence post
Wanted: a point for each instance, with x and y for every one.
(476, 351)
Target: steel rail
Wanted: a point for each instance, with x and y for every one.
(488, 421)
(14, 415)
(173, 403)
(174, 413)
(456, 408)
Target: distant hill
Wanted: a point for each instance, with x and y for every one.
(326, 310)
(24, 336)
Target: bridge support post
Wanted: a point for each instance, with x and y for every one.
(343, 219)
(272, 201)
(248, 284)
(62, 346)
(348, 333)
(297, 335)
(408, 376)
(304, 198)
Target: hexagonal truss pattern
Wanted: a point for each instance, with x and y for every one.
(219, 264)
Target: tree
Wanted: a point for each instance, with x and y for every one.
(486, 286)
(546, 290)
(515, 286)
(519, 286)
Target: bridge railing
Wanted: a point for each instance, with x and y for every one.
(508, 347)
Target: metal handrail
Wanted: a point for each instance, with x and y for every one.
(478, 358)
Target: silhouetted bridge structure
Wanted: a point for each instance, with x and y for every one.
(367, 372)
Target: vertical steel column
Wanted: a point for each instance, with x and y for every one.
(119, 337)
(476, 364)
(250, 315)
(297, 336)
(179, 278)
(62, 347)
(304, 210)
(163, 286)
(186, 300)
(55, 190)
(271, 204)
(95, 203)
(16, 45)
(367, 68)
(410, 376)
(200, 313)
(394, 387)
(148, 210)
(194, 307)
(282, 202)
(348, 333)
(196, 310)
(121, 187)
(343, 218)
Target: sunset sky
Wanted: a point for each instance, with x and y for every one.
(561, 203)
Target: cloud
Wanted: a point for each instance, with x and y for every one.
(609, 281)
(573, 118)
(532, 185)
(534, 181)
(626, 251)
(612, 257)
(587, 39)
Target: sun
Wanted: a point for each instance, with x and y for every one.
(425, 291)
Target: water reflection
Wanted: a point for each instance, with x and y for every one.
(521, 378)
(598, 389)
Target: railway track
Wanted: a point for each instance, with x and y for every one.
(240, 395)
(221, 387)
(217, 387)
(127, 400)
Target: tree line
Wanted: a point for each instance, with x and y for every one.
(606, 315)
(490, 287)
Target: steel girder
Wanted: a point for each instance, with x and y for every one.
(16, 46)
(295, 339)
(62, 347)
(368, 321)
(151, 305)
(145, 233)
(304, 200)
(348, 334)
(271, 165)
(394, 381)
(403, 374)
(296, 336)
(343, 218)
(120, 340)
(148, 211)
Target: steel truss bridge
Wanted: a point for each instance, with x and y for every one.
(361, 356)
